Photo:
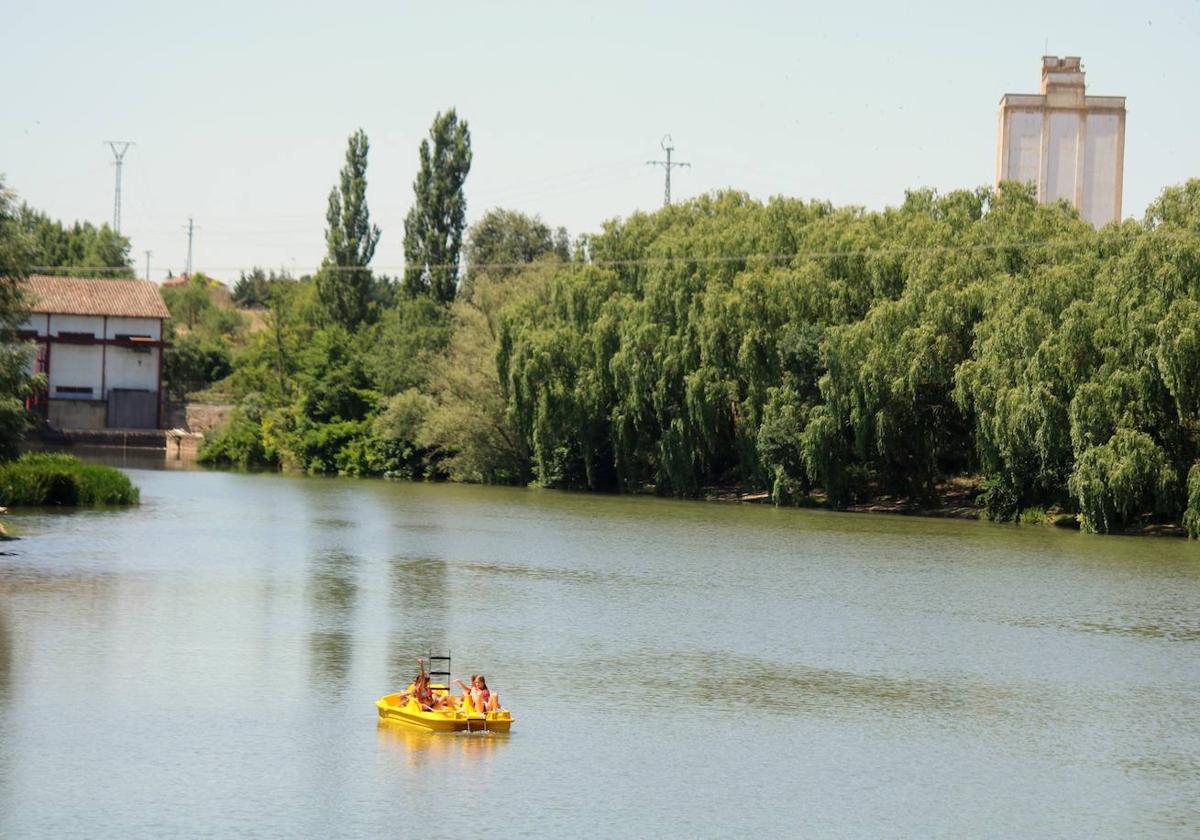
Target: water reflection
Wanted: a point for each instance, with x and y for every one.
(6, 662)
(418, 601)
(741, 684)
(465, 752)
(332, 592)
(582, 577)
(172, 458)
(419, 584)
(1176, 629)
(6, 702)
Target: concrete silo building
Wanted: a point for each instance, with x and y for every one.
(1071, 145)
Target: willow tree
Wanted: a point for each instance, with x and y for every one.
(344, 282)
(433, 229)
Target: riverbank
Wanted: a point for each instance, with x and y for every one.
(955, 498)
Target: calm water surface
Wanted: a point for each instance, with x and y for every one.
(207, 664)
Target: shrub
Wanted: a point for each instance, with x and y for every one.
(1115, 482)
(194, 363)
(63, 480)
(1000, 499)
(238, 443)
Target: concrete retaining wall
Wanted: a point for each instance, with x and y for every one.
(199, 418)
(77, 414)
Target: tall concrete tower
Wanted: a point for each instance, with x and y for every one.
(1068, 144)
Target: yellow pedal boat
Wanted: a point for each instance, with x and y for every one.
(457, 716)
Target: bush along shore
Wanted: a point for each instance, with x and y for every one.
(45, 479)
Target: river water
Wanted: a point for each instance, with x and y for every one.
(206, 665)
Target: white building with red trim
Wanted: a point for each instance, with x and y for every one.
(100, 344)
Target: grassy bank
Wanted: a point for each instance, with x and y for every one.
(40, 478)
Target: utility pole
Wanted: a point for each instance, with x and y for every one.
(191, 227)
(148, 253)
(667, 165)
(119, 148)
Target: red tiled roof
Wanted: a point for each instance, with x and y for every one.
(91, 296)
(171, 282)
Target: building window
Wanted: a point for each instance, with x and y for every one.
(72, 389)
(76, 336)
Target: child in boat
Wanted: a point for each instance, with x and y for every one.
(421, 691)
(481, 698)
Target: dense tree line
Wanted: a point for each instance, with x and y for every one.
(84, 248)
(805, 349)
(821, 354)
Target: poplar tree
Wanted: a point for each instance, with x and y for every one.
(344, 282)
(433, 229)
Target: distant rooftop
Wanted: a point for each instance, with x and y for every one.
(92, 296)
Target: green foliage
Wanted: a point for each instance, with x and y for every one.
(780, 444)
(14, 420)
(410, 336)
(189, 302)
(787, 346)
(239, 443)
(467, 425)
(194, 306)
(17, 251)
(504, 241)
(1177, 207)
(253, 290)
(1120, 480)
(826, 456)
(55, 479)
(397, 431)
(1191, 514)
(1036, 516)
(344, 283)
(433, 229)
(911, 345)
(193, 363)
(82, 247)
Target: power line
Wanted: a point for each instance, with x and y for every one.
(1063, 244)
(668, 166)
(119, 159)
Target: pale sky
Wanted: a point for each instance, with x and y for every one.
(241, 110)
